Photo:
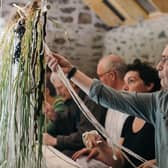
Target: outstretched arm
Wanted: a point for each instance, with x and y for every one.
(137, 104)
(79, 78)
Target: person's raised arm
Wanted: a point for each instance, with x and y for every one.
(79, 78)
(82, 81)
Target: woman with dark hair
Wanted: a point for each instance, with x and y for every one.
(147, 73)
(138, 135)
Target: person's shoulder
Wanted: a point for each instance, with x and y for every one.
(162, 94)
(129, 119)
(162, 99)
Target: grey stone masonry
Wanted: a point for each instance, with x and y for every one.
(75, 31)
(144, 40)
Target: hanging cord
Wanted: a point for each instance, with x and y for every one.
(84, 109)
(44, 9)
(96, 124)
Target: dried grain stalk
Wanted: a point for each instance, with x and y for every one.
(21, 89)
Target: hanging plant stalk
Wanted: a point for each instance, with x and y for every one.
(21, 90)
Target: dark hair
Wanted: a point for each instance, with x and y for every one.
(146, 72)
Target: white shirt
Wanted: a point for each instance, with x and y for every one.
(114, 124)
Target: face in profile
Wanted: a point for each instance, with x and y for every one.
(107, 77)
(63, 91)
(60, 87)
(134, 83)
(162, 68)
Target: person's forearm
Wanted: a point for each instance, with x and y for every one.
(83, 81)
(72, 141)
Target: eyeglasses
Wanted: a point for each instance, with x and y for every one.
(101, 75)
(163, 59)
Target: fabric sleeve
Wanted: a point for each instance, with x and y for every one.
(141, 105)
(66, 121)
(74, 140)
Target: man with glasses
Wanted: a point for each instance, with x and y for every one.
(111, 70)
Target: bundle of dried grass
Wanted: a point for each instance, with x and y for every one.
(21, 88)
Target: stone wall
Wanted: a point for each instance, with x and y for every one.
(144, 40)
(76, 32)
(84, 30)
(83, 38)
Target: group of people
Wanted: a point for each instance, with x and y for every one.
(66, 122)
(137, 135)
(141, 127)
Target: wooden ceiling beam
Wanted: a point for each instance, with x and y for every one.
(162, 5)
(130, 9)
(104, 12)
(118, 12)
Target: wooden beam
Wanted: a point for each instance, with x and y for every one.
(126, 12)
(104, 12)
(130, 9)
(162, 5)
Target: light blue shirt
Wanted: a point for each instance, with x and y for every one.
(152, 107)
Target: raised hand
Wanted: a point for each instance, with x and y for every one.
(54, 60)
(91, 139)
